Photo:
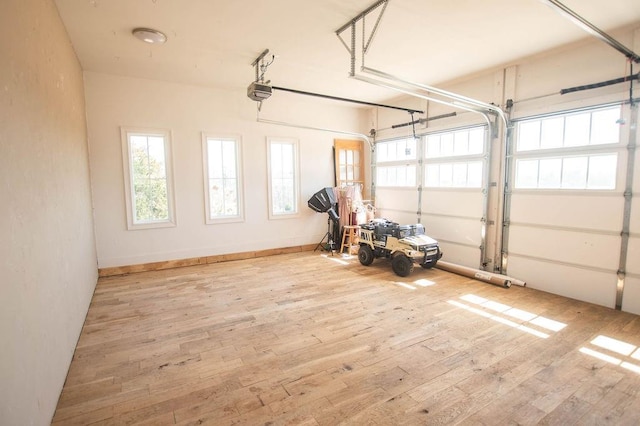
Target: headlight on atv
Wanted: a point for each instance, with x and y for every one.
(414, 254)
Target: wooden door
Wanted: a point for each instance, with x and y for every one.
(349, 162)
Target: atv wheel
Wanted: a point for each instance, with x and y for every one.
(365, 255)
(402, 265)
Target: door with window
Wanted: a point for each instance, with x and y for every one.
(349, 159)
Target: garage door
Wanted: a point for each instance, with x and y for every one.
(566, 203)
(438, 180)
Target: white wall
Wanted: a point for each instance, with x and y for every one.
(114, 101)
(47, 256)
(545, 249)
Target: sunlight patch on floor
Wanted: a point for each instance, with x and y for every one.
(424, 282)
(509, 316)
(336, 259)
(405, 285)
(616, 346)
(519, 314)
(501, 320)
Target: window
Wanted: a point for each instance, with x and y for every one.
(454, 158)
(581, 129)
(222, 175)
(396, 163)
(396, 150)
(456, 144)
(396, 175)
(283, 177)
(584, 172)
(349, 157)
(454, 175)
(148, 181)
(568, 151)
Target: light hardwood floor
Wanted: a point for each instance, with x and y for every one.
(307, 338)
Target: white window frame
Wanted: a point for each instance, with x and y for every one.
(564, 184)
(296, 178)
(466, 165)
(237, 140)
(564, 153)
(125, 134)
(396, 169)
(457, 157)
(407, 160)
(564, 117)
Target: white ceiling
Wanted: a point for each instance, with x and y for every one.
(213, 42)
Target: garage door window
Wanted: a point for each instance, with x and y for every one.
(583, 172)
(590, 128)
(396, 163)
(454, 158)
(568, 151)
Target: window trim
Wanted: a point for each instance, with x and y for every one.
(402, 161)
(237, 139)
(589, 150)
(562, 158)
(467, 162)
(455, 157)
(571, 148)
(296, 178)
(405, 162)
(393, 166)
(125, 133)
(467, 159)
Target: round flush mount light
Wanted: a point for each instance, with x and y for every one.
(149, 35)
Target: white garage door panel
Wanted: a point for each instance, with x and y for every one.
(463, 231)
(589, 286)
(452, 203)
(461, 255)
(635, 212)
(636, 178)
(401, 217)
(397, 199)
(577, 211)
(594, 250)
(631, 299)
(633, 256)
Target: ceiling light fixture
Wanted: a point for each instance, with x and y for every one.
(149, 35)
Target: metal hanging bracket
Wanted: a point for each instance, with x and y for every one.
(351, 47)
(260, 66)
(389, 81)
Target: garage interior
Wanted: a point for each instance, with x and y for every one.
(142, 285)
